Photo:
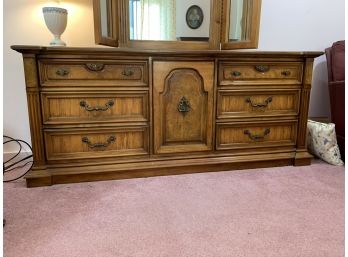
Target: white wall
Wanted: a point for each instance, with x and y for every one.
(304, 25)
(295, 25)
(24, 24)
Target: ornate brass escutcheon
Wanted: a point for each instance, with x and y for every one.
(259, 105)
(184, 106)
(262, 68)
(286, 73)
(110, 140)
(236, 73)
(89, 108)
(95, 66)
(127, 72)
(62, 72)
(257, 137)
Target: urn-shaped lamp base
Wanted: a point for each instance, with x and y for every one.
(56, 21)
(57, 41)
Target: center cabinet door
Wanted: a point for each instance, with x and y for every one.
(183, 98)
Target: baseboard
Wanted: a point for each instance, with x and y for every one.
(9, 155)
(320, 119)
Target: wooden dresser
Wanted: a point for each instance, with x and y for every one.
(102, 113)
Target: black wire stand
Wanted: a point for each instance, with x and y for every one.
(16, 161)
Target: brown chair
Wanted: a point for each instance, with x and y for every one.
(335, 66)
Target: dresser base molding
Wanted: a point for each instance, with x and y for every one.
(56, 175)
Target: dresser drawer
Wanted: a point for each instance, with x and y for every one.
(93, 73)
(94, 107)
(64, 144)
(262, 72)
(257, 103)
(254, 135)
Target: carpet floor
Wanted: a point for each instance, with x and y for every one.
(274, 212)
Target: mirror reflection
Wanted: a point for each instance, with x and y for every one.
(105, 18)
(238, 20)
(169, 20)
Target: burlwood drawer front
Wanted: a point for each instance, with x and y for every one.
(233, 104)
(93, 73)
(94, 143)
(94, 107)
(242, 73)
(253, 135)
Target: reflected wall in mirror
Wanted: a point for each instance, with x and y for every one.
(165, 20)
(240, 24)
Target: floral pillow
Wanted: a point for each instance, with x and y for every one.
(322, 142)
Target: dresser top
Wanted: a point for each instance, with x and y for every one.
(27, 49)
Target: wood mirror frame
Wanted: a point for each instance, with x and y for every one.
(251, 27)
(118, 24)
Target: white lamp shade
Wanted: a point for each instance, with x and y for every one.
(56, 20)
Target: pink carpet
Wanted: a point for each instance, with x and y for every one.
(276, 212)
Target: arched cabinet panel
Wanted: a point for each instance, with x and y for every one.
(183, 101)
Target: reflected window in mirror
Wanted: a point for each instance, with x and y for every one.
(169, 20)
(238, 20)
(152, 19)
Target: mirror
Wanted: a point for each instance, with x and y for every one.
(105, 18)
(169, 20)
(105, 22)
(238, 21)
(177, 24)
(240, 24)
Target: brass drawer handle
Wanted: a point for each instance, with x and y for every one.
(110, 140)
(262, 68)
(236, 73)
(257, 137)
(286, 73)
(259, 105)
(62, 72)
(95, 66)
(184, 106)
(127, 72)
(87, 107)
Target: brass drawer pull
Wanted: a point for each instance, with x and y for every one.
(62, 72)
(262, 68)
(95, 66)
(87, 107)
(236, 73)
(127, 72)
(286, 73)
(259, 105)
(110, 140)
(257, 137)
(184, 106)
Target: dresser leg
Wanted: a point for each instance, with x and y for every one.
(38, 177)
(302, 158)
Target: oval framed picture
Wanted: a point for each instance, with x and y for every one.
(194, 17)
